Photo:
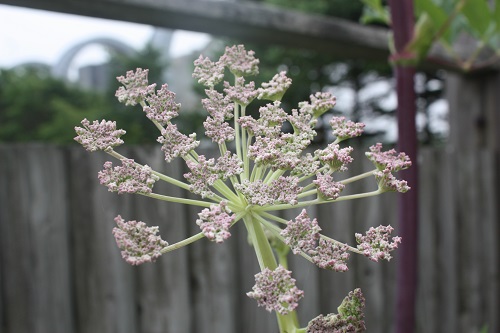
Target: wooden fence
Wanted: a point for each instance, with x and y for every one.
(61, 272)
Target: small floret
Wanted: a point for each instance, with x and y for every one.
(331, 255)
(328, 189)
(350, 318)
(98, 136)
(388, 159)
(376, 244)
(276, 88)
(344, 129)
(139, 243)
(301, 234)
(127, 178)
(207, 72)
(239, 61)
(136, 87)
(276, 290)
(162, 106)
(215, 222)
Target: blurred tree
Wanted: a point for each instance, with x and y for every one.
(35, 106)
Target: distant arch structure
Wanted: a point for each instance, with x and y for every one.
(61, 68)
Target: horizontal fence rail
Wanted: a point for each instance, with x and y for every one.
(61, 272)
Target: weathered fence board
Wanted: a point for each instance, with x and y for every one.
(60, 269)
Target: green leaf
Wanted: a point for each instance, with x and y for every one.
(478, 15)
(496, 16)
(438, 15)
(374, 12)
(425, 30)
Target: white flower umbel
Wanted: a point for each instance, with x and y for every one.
(268, 171)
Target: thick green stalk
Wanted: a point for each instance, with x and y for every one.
(265, 256)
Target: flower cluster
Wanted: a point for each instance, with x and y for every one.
(240, 61)
(388, 159)
(241, 93)
(162, 106)
(175, 144)
(349, 319)
(376, 244)
(98, 135)
(320, 103)
(344, 129)
(335, 157)
(204, 173)
(139, 243)
(303, 235)
(281, 190)
(331, 255)
(127, 178)
(276, 88)
(328, 189)
(135, 87)
(386, 163)
(276, 290)
(215, 222)
(207, 72)
(264, 167)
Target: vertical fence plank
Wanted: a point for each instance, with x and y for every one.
(163, 288)
(488, 229)
(427, 293)
(447, 255)
(103, 281)
(34, 240)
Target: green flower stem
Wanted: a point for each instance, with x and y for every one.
(237, 131)
(245, 144)
(246, 160)
(277, 232)
(308, 187)
(223, 189)
(273, 175)
(307, 193)
(257, 172)
(193, 238)
(352, 249)
(178, 200)
(157, 124)
(183, 243)
(192, 152)
(233, 179)
(163, 177)
(281, 249)
(323, 168)
(287, 323)
(318, 201)
(261, 245)
(222, 148)
(273, 217)
(358, 177)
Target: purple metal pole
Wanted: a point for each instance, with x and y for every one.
(402, 18)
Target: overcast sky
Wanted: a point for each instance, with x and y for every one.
(42, 36)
